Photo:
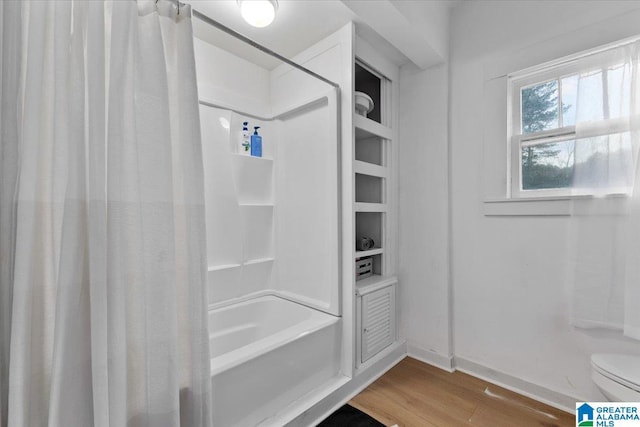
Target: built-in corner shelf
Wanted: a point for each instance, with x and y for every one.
(370, 252)
(374, 201)
(259, 261)
(253, 178)
(223, 267)
(250, 159)
(256, 205)
(370, 207)
(367, 128)
(373, 283)
(255, 261)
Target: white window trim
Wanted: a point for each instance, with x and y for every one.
(609, 205)
(554, 70)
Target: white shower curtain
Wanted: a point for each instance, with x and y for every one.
(102, 250)
(604, 241)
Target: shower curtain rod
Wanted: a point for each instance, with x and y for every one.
(204, 18)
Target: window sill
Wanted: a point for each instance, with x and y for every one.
(557, 206)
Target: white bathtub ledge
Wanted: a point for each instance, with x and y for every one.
(244, 354)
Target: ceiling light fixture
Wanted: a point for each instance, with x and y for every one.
(258, 13)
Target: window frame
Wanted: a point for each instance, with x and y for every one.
(593, 60)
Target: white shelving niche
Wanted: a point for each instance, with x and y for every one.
(374, 212)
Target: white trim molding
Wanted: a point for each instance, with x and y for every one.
(608, 205)
(528, 207)
(431, 357)
(537, 392)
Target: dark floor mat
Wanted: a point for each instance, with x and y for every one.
(348, 416)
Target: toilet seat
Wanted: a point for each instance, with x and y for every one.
(621, 368)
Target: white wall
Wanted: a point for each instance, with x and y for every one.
(231, 81)
(510, 293)
(418, 30)
(306, 234)
(431, 18)
(423, 213)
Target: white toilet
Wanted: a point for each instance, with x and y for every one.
(617, 376)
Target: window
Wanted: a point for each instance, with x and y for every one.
(571, 125)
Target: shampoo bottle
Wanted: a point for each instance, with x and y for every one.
(256, 143)
(245, 141)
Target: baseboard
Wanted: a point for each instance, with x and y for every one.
(542, 394)
(431, 357)
(329, 404)
(534, 391)
(338, 397)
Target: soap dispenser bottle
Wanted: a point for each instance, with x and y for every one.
(256, 143)
(245, 141)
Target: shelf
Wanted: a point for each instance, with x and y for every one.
(370, 169)
(373, 283)
(244, 157)
(367, 128)
(248, 262)
(258, 261)
(223, 267)
(370, 252)
(370, 207)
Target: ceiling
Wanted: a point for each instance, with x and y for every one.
(402, 30)
(298, 25)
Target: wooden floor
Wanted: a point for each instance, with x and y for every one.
(416, 394)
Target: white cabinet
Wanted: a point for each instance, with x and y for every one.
(376, 311)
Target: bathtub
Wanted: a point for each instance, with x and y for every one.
(266, 353)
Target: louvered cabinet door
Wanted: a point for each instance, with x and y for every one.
(378, 321)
